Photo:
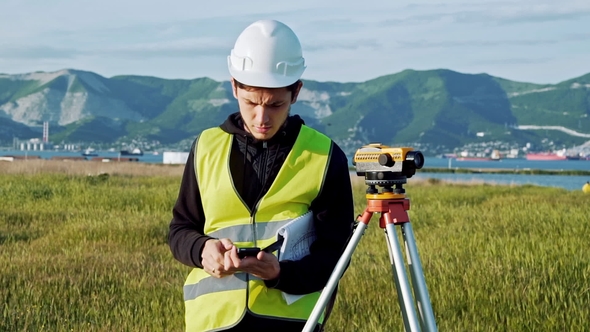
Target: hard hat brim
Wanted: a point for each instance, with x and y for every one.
(265, 80)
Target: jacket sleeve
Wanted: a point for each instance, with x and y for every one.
(334, 221)
(185, 237)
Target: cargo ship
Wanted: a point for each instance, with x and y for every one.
(545, 156)
(90, 152)
(477, 159)
(495, 156)
(134, 152)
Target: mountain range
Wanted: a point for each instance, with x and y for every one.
(435, 109)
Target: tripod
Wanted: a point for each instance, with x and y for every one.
(393, 206)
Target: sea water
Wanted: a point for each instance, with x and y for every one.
(569, 182)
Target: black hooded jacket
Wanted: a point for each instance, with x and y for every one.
(254, 165)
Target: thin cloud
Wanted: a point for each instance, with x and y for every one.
(418, 44)
(511, 61)
(37, 52)
(519, 16)
(498, 13)
(414, 20)
(197, 28)
(356, 44)
(189, 48)
(335, 25)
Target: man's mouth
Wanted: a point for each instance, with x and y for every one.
(262, 130)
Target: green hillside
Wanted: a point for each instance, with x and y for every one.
(10, 129)
(93, 129)
(437, 108)
(11, 90)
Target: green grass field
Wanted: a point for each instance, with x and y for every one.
(89, 253)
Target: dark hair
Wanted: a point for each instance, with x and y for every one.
(292, 88)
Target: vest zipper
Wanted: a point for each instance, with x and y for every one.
(263, 172)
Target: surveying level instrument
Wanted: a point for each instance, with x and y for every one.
(387, 168)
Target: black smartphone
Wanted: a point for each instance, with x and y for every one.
(245, 252)
(253, 251)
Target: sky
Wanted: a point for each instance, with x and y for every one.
(537, 41)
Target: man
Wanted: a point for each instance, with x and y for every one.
(259, 170)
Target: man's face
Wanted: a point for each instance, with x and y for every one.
(264, 110)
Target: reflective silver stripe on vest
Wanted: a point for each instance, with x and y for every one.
(211, 285)
(243, 233)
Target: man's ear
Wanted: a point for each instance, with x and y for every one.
(234, 87)
(296, 92)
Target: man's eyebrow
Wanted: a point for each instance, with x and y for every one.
(275, 102)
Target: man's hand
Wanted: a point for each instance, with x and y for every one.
(220, 259)
(213, 257)
(264, 265)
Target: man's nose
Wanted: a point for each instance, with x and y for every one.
(262, 114)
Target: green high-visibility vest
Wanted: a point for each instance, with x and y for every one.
(213, 304)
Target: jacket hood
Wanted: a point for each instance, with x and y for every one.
(290, 129)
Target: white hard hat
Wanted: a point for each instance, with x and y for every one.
(266, 54)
